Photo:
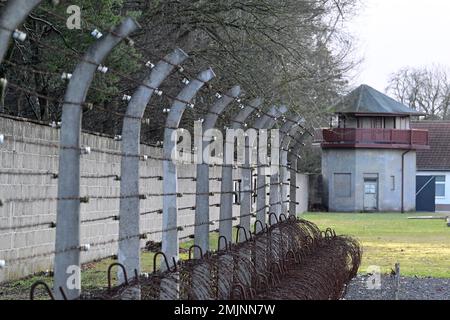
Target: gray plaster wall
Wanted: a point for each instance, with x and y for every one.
(360, 163)
(302, 181)
(28, 240)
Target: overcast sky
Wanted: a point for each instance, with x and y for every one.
(392, 34)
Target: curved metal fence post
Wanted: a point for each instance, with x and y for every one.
(129, 223)
(246, 172)
(226, 197)
(170, 245)
(14, 13)
(264, 122)
(201, 238)
(293, 159)
(287, 131)
(274, 196)
(267, 123)
(68, 208)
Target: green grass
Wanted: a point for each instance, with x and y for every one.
(422, 247)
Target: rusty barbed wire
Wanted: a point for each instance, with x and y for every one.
(290, 260)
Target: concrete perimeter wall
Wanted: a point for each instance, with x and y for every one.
(27, 239)
(21, 233)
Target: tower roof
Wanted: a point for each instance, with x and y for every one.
(367, 100)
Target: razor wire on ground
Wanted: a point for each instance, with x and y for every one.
(279, 248)
(291, 260)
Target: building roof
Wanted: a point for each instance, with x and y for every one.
(437, 158)
(367, 100)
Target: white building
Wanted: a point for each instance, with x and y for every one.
(433, 167)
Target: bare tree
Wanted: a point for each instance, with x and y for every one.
(425, 89)
(291, 52)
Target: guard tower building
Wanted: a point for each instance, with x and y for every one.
(369, 154)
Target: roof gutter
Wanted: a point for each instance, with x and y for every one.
(380, 114)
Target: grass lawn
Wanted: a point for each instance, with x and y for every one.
(422, 247)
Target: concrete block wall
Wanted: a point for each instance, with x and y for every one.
(19, 154)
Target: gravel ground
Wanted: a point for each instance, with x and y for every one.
(410, 289)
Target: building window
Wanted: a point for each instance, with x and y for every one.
(377, 123)
(370, 188)
(440, 186)
(343, 185)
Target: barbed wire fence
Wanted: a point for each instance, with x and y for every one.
(278, 242)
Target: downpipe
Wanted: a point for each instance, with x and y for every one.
(403, 180)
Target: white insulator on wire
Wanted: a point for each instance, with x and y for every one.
(126, 97)
(66, 76)
(146, 121)
(85, 247)
(185, 81)
(2, 138)
(55, 124)
(118, 137)
(19, 35)
(158, 92)
(130, 41)
(145, 157)
(96, 34)
(166, 110)
(180, 69)
(102, 68)
(86, 150)
(149, 64)
(218, 95)
(191, 105)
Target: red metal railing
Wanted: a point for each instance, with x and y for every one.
(375, 136)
